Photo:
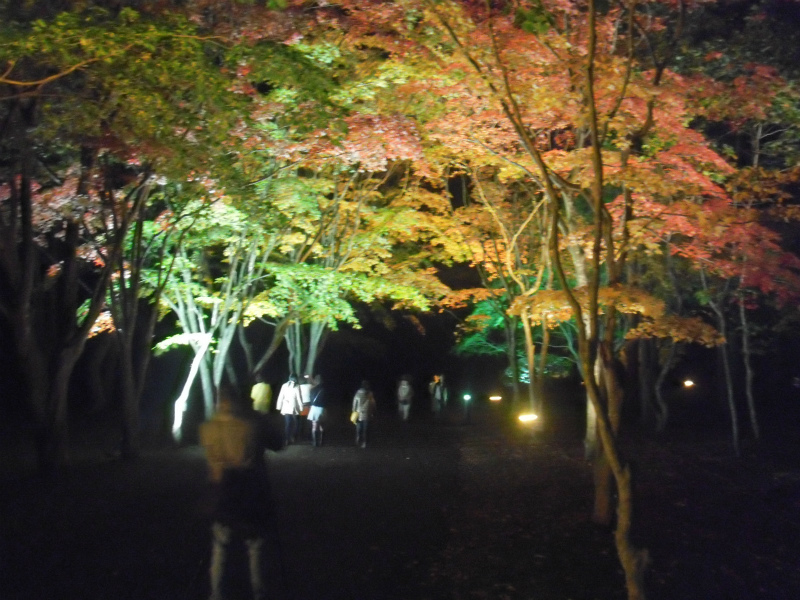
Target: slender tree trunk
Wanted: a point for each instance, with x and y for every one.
(55, 450)
(182, 400)
(207, 384)
(278, 337)
(100, 363)
(318, 333)
(726, 366)
(512, 358)
(530, 352)
(662, 412)
(543, 362)
(130, 402)
(247, 349)
(748, 368)
(294, 343)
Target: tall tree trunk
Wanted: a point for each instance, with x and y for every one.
(130, 402)
(726, 364)
(748, 367)
(530, 352)
(100, 362)
(726, 369)
(662, 412)
(54, 451)
(318, 333)
(182, 401)
(511, 357)
(543, 366)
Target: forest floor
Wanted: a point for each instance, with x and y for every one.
(448, 510)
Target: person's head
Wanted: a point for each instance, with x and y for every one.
(365, 385)
(316, 380)
(259, 378)
(227, 398)
(292, 378)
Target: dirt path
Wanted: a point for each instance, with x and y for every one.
(426, 512)
(353, 523)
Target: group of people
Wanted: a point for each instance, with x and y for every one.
(235, 440)
(300, 402)
(405, 396)
(304, 401)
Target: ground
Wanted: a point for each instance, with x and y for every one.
(448, 510)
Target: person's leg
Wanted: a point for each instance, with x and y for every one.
(222, 538)
(364, 433)
(254, 552)
(287, 429)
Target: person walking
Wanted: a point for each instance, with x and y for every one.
(305, 393)
(438, 395)
(364, 405)
(261, 395)
(234, 441)
(317, 411)
(290, 404)
(405, 393)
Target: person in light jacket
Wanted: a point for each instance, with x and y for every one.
(364, 405)
(290, 404)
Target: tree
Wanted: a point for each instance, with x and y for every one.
(506, 85)
(94, 106)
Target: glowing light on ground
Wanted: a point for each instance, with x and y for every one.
(495, 398)
(467, 397)
(528, 417)
(688, 383)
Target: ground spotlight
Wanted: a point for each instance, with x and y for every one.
(688, 383)
(495, 398)
(528, 417)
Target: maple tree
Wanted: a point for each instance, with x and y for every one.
(557, 99)
(320, 145)
(96, 106)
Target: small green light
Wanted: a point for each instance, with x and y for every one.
(467, 397)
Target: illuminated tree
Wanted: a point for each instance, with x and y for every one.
(555, 99)
(95, 107)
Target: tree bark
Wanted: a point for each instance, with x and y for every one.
(748, 368)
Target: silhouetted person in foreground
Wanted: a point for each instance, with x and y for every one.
(235, 440)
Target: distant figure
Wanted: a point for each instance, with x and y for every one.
(305, 394)
(364, 405)
(317, 410)
(405, 393)
(234, 441)
(290, 405)
(438, 395)
(261, 394)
